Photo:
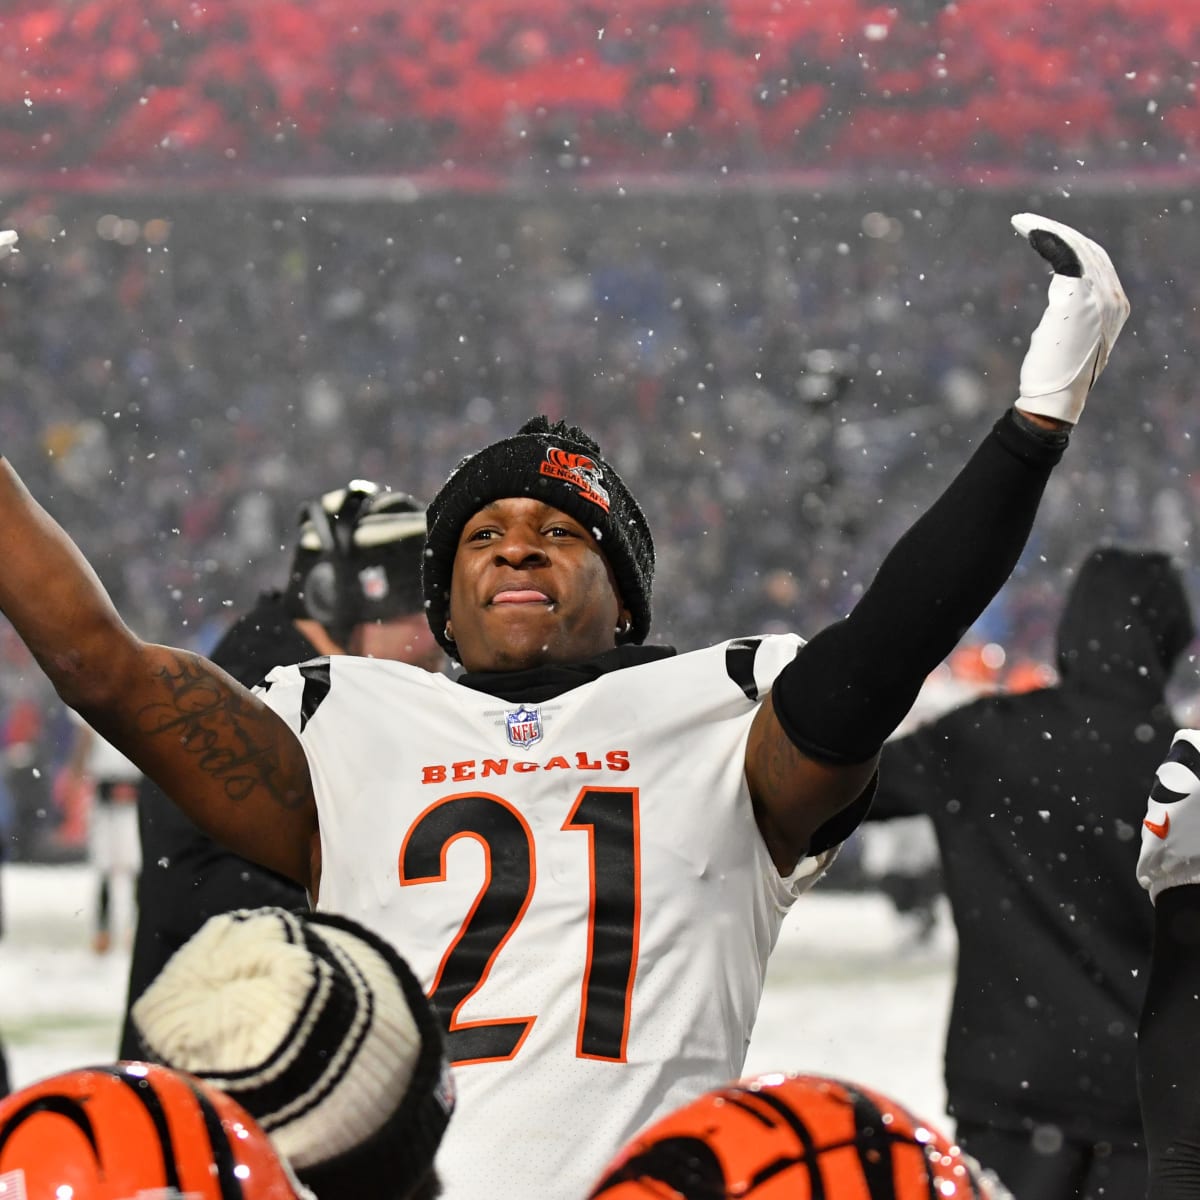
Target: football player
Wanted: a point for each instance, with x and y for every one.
(1169, 1031)
(584, 846)
(107, 782)
(1040, 1057)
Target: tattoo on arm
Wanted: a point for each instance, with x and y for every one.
(222, 731)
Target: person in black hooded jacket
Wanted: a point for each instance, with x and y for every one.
(1036, 800)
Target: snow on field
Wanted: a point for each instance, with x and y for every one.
(845, 996)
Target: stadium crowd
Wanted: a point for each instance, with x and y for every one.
(528, 86)
(387, 339)
(233, 338)
(793, 358)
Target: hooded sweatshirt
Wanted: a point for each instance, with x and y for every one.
(1037, 800)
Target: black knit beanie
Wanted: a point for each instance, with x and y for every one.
(561, 466)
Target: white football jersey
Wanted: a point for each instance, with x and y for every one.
(579, 883)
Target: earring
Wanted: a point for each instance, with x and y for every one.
(624, 627)
(446, 634)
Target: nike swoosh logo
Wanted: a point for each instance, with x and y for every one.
(1159, 830)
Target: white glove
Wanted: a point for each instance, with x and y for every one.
(8, 242)
(1077, 332)
(1171, 830)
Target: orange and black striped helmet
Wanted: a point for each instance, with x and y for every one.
(793, 1137)
(125, 1130)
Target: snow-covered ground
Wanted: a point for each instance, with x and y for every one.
(845, 994)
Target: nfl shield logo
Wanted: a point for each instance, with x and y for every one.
(524, 727)
(374, 583)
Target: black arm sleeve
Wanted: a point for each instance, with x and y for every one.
(1169, 1048)
(850, 686)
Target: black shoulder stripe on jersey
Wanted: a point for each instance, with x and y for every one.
(739, 662)
(1162, 794)
(1186, 754)
(316, 688)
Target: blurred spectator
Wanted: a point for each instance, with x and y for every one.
(1035, 799)
(1169, 869)
(534, 86)
(98, 781)
(28, 789)
(232, 339)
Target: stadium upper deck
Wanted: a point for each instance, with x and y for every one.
(485, 91)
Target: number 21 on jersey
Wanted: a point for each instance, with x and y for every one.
(608, 817)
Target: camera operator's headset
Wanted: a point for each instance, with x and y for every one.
(331, 590)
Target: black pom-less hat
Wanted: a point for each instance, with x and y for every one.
(561, 466)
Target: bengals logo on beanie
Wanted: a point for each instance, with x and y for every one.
(562, 466)
(578, 470)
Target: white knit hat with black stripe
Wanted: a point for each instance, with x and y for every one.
(321, 1031)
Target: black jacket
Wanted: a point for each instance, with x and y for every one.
(1169, 1047)
(1037, 801)
(186, 876)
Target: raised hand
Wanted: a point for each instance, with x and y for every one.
(1086, 310)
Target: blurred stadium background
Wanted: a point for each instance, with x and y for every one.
(760, 248)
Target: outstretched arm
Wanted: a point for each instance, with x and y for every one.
(814, 747)
(225, 758)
